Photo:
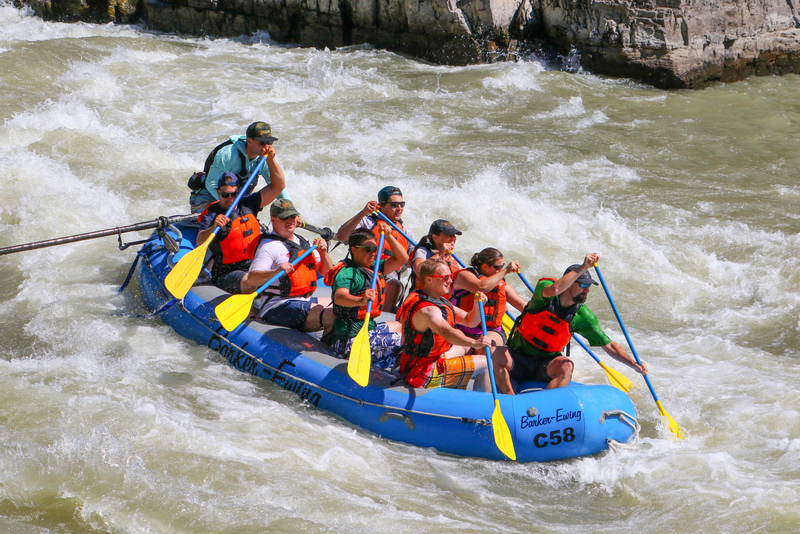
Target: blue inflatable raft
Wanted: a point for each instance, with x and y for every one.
(545, 425)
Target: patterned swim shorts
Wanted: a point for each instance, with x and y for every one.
(452, 373)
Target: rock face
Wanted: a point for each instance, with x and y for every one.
(668, 43)
(678, 43)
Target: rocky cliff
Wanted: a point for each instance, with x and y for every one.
(668, 43)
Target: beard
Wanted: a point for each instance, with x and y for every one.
(580, 298)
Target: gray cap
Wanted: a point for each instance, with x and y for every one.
(584, 278)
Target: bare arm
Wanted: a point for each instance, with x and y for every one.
(399, 253)
(202, 235)
(325, 262)
(513, 298)
(563, 283)
(431, 318)
(277, 180)
(616, 351)
(344, 230)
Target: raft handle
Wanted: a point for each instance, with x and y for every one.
(622, 416)
(385, 416)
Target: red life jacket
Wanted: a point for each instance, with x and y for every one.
(494, 307)
(387, 250)
(302, 282)
(240, 239)
(351, 312)
(547, 327)
(420, 350)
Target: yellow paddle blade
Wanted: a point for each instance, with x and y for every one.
(617, 379)
(183, 276)
(502, 435)
(360, 356)
(234, 310)
(673, 426)
(508, 324)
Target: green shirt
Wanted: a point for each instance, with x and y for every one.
(584, 323)
(354, 280)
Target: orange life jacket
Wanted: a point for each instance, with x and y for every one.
(455, 268)
(387, 250)
(494, 307)
(351, 312)
(302, 282)
(420, 350)
(547, 327)
(236, 243)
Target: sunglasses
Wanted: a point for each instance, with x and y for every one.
(228, 195)
(369, 249)
(498, 267)
(397, 204)
(263, 143)
(444, 277)
(584, 286)
(287, 217)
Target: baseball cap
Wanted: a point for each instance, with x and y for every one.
(440, 226)
(228, 179)
(584, 278)
(282, 208)
(388, 191)
(260, 131)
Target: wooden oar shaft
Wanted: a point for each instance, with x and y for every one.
(160, 222)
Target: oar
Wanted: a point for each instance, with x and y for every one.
(236, 308)
(325, 233)
(617, 379)
(502, 435)
(673, 426)
(161, 222)
(360, 351)
(183, 276)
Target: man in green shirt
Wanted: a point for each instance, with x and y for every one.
(555, 312)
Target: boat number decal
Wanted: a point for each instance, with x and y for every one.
(243, 362)
(555, 438)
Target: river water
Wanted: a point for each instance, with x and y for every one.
(110, 423)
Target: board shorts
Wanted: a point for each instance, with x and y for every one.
(384, 343)
(451, 373)
(527, 368)
(230, 282)
(291, 313)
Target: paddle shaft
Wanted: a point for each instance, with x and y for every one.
(375, 275)
(240, 195)
(325, 233)
(281, 272)
(490, 370)
(625, 332)
(161, 222)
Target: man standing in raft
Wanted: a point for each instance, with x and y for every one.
(390, 203)
(238, 155)
(236, 242)
(434, 352)
(288, 301)
(545, 327)
(351, 281)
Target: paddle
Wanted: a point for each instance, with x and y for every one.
(236, 308)
(617, 379)
(502, 435)
(183, 276)
(161, 222)
(360, 351)
(673, 426)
